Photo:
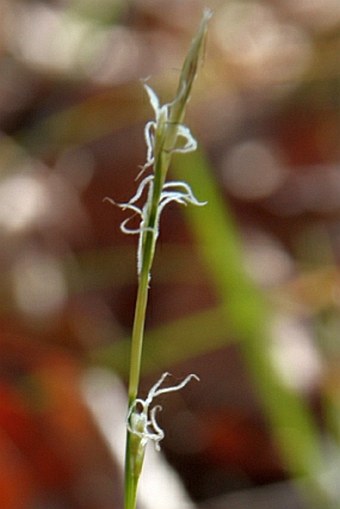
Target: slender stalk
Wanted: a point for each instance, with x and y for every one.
(137, 336)
(162, 143)
(131, 477)
(131, 480)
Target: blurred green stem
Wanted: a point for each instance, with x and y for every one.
(249, 316)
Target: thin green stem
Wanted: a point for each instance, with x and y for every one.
(131, 477)
(137, 336)
(131, 481)
(143, 290)
(164, 140)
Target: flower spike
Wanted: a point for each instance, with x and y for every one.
(165, 134)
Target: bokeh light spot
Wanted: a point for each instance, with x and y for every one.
(39, 285)
(22, 200)
(253, 170)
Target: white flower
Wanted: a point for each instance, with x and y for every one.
(157, 131)
(141, 420)
(173, 191)
(158, 125)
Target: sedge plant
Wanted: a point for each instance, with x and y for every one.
(164, 136)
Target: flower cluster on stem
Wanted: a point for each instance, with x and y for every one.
(165, 135)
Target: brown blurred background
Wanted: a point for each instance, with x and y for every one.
(265, 111)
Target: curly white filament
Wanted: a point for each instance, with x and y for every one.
(176, 191)
(143, 423)
(157, 125)
(173, 191)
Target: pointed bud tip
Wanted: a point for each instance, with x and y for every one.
(207, 14)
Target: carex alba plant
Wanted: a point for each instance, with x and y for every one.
(165, 135)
